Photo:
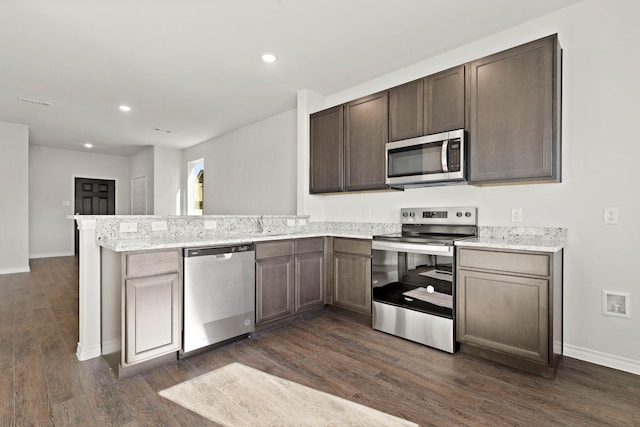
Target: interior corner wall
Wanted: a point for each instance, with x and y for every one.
(51, 185)
(167, 169)
(14, 191)
(250, 171)
(142, 165)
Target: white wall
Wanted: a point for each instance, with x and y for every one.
(14, 198)
(251, 170)
(167, 174)
(600, 156)
(51, 182)
(142, 165)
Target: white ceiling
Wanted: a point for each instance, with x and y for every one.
(194, 67)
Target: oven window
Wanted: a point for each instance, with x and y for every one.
(414, 281)
(421, 159)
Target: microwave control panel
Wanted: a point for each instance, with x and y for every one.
(454, 156)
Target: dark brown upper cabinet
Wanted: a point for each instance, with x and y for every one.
(406, 106)
(430, 105)
(366, 133)
(327, 151)
(444, 101)
(514, 114)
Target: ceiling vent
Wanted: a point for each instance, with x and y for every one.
(161, 130)
(35, 101)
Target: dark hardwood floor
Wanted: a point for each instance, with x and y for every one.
(42, 383)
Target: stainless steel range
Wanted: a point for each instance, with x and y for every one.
(413, 275)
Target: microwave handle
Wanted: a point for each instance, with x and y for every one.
(444, 155)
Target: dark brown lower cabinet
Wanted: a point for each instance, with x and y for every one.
(352, 274)
(509, 307)
(289, 278)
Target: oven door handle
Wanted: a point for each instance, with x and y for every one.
(419, 248)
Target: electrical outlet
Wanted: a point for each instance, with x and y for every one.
(210, 225)
(516, 214)
(159, 226)
(611, 215)
(367, 213)
(302, 222)
(291, 222)
(128, 227)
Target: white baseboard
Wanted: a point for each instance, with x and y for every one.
(13, 270)
(604, 359)
(51, 255)
(111, 346)
(86, 353)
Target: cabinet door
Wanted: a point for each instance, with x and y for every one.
(508, 314)
(327, 151)
(514, 114)
(309, 280)
(366, 133)
(352, 282)
(406, 110)
(274, 288)
(444, 101)
(153, 310)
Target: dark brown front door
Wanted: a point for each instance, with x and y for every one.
(94, 197)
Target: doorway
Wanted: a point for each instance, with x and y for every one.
(93, 197)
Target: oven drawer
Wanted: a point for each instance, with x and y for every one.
(510, 262)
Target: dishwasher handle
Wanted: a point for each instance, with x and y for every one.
(217, 250)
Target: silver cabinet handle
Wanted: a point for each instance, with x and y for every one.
(443, 155)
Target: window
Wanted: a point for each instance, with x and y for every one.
(195, 188)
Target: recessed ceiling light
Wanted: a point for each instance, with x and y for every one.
(88, 145)
(124, 108)
(268, 57)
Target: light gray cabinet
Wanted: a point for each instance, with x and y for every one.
(289, 278)
(514, 114)
(509, 307)
(140, 308)
(352, 274)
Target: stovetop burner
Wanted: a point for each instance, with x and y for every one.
(434, 226)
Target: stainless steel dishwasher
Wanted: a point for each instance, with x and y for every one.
(219, 294)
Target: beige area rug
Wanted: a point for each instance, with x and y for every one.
(237, 395)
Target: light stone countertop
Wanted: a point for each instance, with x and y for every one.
(516, 244)
(218, 240)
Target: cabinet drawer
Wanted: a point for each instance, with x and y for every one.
(352, 246)
(312, 244)
(274, 249)
(510, 262)
(151, 263)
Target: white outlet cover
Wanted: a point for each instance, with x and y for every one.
(159, 226)
(302, 222)
(128, 227)
(611, 216)
(516, 214)
(210, 225)
(291, 222)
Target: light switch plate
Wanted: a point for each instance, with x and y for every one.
(291, 222)
(210, 225)
(302, 222)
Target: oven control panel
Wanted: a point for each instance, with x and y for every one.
(456, 215)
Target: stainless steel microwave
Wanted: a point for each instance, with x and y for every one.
(426, 160)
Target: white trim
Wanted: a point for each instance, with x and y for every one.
(51, 255)
(14, 270)
(604, 359)
(87, 353)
